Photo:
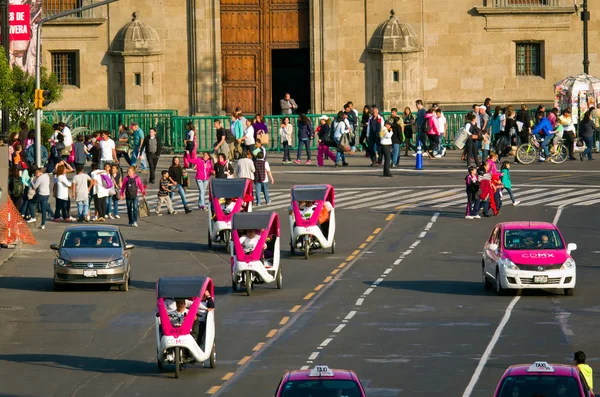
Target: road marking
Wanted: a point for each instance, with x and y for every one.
(387, 271)
(342, 265)
(368, 291)
(228, 375)
(339, 328)
(258, 346)
(318, 287)
(557, 216)
(370, 238)
(335, 271)
(213, 390)
(406, 253)
(359, 301)
(295, 308)
(327, 279)
(377, 230)
(362, 246)
(314, 355)
(326, 342)
(284, 320)
(390, 217)
(415, 244)
(271, 333)
(350, 258)
(434, 217)
(309, 295)
(490, 347)
(356, 252)
(350, 315)
(379, 280)
(243, 360)
(396, 262)
(557, 198)
(423, 234)
(429, 225)
(304, 367)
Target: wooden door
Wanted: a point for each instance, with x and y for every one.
(250, 29)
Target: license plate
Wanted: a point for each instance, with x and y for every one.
(540, 279)
(90, 273)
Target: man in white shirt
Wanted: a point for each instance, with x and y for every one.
(108, 149)
(66, 131)
(100, 194)
(245, 167)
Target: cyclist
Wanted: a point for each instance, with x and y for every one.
(543, 131)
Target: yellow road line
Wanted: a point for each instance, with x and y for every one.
(342, 265)
(309, 295)
(271, 333)
(258, 346)
(370, 238)
(390, 217)
(244, 360)
(318, 287)
(335, 271)
(284, 320)
(227, 376)
(213, 390)
(350, 258)
(295, 308)
(363, 245)
(327, 279)
(356, 252)
(377, 230)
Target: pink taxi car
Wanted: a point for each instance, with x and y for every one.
(320, 381)
(528, 255)
(542, 379)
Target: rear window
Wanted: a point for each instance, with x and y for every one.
(321, 388)
(539, 385)
(91, 239)
(532, 239)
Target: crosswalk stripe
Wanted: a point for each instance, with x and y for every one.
(447, 195)
(589, 202)
(361, 203)
(345, 196)
(544, 193)
(409, 198)
(579, 199)
(555, 198)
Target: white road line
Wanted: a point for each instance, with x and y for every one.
(589, 202)
(368, 291)
(446, 195)
(339, 328)
(557, 216)
(423, 234)
(359, 302)
(545, 193)
(429, 225)
(326, 342)
(350, 315)
(394, 195)
(555, 198)
(414, 245)
(588, 197)
(406, 253)
(378, 281)
(314, 355)
(490, 347)
(387, 271)
(396, 262)
(434, 217)
(413, 197)
(304, 367)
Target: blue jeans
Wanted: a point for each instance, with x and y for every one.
(339, 155)
(42, 202)
(544, 144)
(83, 208)
(112, 205)
(589, 143)
(202, 186)
(132, 210)
(395, 153)
(306, 143)
(264, 187)
(181, 192)
(134, 157)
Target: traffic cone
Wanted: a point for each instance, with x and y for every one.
(419, 164)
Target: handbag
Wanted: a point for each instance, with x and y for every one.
(264, 138)
(31, 193)
(143, 208)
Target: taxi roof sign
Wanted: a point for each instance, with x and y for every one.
(321, 370)
(540, 366)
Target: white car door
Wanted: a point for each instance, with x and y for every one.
(491, 256)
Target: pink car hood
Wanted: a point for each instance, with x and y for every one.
(537, 257)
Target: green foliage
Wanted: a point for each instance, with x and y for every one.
(24, 93)
(6, 81)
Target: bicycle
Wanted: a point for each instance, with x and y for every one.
(527, 153)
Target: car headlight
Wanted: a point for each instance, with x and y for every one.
(61, 262)
(507, 264)
(115, 263)
(569, 264)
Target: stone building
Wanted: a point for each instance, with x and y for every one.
(210, 56)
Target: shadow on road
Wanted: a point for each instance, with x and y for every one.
(42, 284)
(448, 287)
(168, 245)
(86, 364)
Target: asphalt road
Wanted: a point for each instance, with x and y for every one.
(401, 301)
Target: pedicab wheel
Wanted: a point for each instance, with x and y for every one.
(306, 249)
(333, 247)
(569, 291)
(234, 286)
(177, 362)
(526, 154)
(213, 357)
(248, 277)
(209, 240)
(292, 248)
(279, 278)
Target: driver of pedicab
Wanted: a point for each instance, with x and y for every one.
(179, 308)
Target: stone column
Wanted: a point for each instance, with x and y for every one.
(208, 56)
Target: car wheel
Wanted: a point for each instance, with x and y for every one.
(484, 280)
(125, 286)
(569, 291)
(499, 290)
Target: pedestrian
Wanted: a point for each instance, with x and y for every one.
(189, 144)
(132, 185)
(165, 186)
(223, 168)
(152, 148)
(81, 186)
(138, 139)
(397, 124)
(107, 148)
(507, 182)
(62, 186)
(305, 134)
(288, 105)
(245, 167)
(525, 119)
(221, 145)
(568, 132)
(340, 129)
(485, 145)
(585, 370)
(472, 190)
(374, 127)
(473, 134)
(420, 123)
(16, 187)
(204, 170)
(41, 184)
(260, 128)
(238, 124)
(385, 136)
(27, 208)
(113, 199)
(442, 126)
(248, 139)
(285, 135)
(432, 133)
(350, 117)
(543, 131)
(324, 135)
(122, 145)
(80, 151)
(176, 177)
(586, 132)
(364, 120)
(409, 123)
(260, 175)
(101, 192)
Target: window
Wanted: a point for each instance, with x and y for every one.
(525, 3)
(529, 59)
(396, 76)
(64, 66)
(138, 78)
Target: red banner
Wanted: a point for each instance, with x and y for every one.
(20, 24)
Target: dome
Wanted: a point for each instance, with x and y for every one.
(136, 38)
(394, 36)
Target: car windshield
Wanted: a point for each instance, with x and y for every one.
(532, 239)
(539, 386)
(91, 239)
(321, 388)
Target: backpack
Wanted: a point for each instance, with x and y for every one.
(106, 181)
(17, 187)
(131, 188)
(229, 137)
(327, 136)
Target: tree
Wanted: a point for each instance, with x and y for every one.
(24, 92)
(6, 81)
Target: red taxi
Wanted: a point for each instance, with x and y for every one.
(542, 379)
(320, 382)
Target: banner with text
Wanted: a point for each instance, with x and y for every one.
(24, 17)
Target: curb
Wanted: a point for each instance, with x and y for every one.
(13, 251)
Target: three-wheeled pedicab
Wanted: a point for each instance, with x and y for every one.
(185, 322)
(255, 250)
(226, 197)
(312, 218)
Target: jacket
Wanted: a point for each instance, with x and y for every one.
(397, 124)
(587, 373)
(286, 134)
(375, 125)
(305, 131)
(545, 126)
(385, 136)
(145, 147)
(204, 169)
(587, 128)
(506, 181)
(429, 118)
(286, 106)
(30, 155)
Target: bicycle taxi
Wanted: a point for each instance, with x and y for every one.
(227, 197)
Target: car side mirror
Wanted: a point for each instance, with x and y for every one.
(54, 247)
(129, 246)
(493, 247)
(571, 247)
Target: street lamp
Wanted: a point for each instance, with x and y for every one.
(4, 4)
(585, 17)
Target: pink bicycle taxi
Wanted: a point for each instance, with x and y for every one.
(185, 322)
(312, 218)
(255, 256)
(226, 197)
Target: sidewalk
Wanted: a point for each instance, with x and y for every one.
(7, 253)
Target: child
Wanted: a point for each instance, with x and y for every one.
(487, 191)
(113, 201)
(261, 177)
(163, 194)
(506, 181)
(129, 190)
(586, 370)
(204, 170)
(472, 185)
(82, 184)
(485, 148)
